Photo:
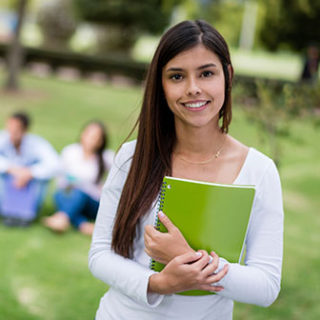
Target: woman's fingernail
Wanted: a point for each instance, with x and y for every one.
(199, 254)
(211, 259)
(161, 214)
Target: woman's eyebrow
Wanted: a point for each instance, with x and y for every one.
(199, 68)
(207, 66)
(174, 69)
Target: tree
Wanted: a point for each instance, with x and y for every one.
(57, 21)
(14, 57)
(294, 23)
(276, 106)
(224, 15)
(125, 19)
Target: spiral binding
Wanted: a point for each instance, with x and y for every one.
(161, 202)
(159, 208)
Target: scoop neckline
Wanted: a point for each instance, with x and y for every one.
(244, 164)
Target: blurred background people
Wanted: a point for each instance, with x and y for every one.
(27, 163)
(83, 167)
(311, 65)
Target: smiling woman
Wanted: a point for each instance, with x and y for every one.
(183, 132)
(194, 89)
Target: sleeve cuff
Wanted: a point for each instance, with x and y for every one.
(40, 173)
(4, 167)
(153, 299)
(223, 281)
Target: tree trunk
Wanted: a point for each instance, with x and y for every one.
(248, 25)
(14, 55)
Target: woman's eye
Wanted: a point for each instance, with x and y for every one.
(176, 77)
(206, 74)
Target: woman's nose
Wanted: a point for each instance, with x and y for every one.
(193, 88)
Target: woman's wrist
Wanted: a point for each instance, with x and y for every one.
(181, 251)
(156, 283)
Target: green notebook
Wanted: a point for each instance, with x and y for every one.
(213, 217)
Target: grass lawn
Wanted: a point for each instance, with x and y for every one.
(45, 276)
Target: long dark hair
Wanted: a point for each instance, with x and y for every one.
(156, 134)
(99, 151)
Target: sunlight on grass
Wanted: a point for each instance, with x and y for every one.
(284, 66)
(31, 298)
(295, 200)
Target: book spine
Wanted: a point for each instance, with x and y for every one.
(159, 208)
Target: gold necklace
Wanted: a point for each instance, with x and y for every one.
(214, 156)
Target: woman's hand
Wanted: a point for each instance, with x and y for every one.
(190, 271)
(163, 247)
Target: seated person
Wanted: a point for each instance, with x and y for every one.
(27, 162)
(83, 166)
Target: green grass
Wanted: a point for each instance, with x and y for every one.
(45, 276)
(59, 109)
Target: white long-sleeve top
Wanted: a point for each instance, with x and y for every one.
(255, 282)
(82, 172)
(35, 152)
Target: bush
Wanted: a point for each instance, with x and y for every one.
(57, 22)
(273, 106)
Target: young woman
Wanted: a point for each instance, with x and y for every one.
(183, 132)
(83, 166)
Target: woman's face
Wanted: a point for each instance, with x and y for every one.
(194, 87)
(91, 137)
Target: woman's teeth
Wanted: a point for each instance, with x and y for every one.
(195, 105)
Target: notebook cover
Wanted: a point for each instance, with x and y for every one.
(213, 217)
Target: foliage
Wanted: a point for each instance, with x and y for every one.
(146, 15)
(57, 22)
(269, 116)
(302, 97)
(225, 16)
(115, 40)
(276, 106)
(11, 4)
(293, 23)
(122, 21)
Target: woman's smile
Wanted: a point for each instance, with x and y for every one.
(197, 105)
